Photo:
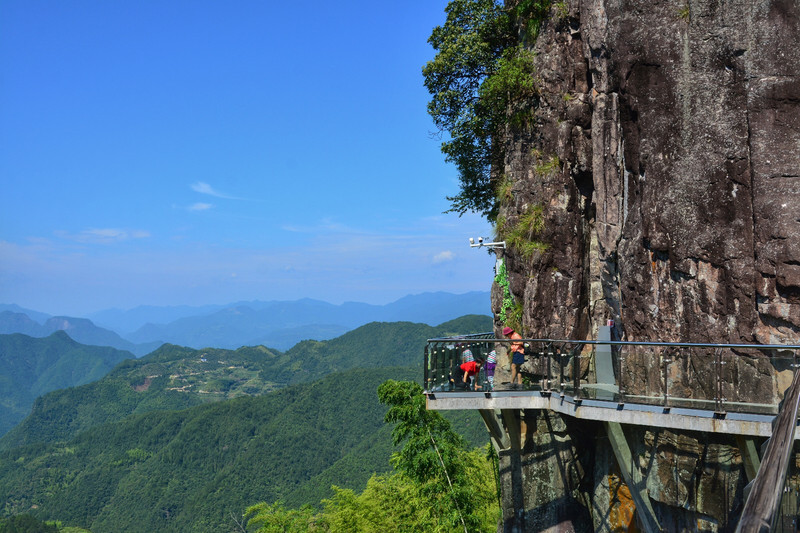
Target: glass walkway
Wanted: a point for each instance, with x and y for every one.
(737, 389)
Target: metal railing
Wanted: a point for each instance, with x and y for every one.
(717, 377)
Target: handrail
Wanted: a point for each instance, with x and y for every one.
(561, 367)
(761, 507)
(476, 338)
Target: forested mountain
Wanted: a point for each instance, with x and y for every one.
(172, 377)
(196, 469)
(30, 367)
(176, 377)
(79, 329)
(186, 440)
(375, 344)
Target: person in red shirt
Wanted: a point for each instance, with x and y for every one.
(467, 371)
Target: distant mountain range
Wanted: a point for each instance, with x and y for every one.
(81, 330)
(277, 324)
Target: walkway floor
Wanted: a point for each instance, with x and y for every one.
(759, 425)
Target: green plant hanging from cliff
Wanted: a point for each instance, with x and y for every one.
(481, 80)
(531, 13)
(501, 278)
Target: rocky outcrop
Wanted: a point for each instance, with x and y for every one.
(664, 155)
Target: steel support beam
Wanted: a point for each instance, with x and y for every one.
(705, 421)
(633, 477)
(749, 453)
(493, 420)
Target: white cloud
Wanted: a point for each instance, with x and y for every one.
(443, 257)
(204, 188)
(199, 206)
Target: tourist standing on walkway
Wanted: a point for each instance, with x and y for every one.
(491, 363)
(517, 355)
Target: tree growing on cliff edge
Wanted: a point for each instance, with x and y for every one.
(478, 79)
(436, 458)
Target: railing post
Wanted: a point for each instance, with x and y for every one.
(576, 371)
(666, 359)
(540, 356)
(437, 365)
(442, 365)
(620, 373)
(719, 407)
(427, 379)
(453, 359)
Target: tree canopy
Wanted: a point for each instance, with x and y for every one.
(438, 485)
(435, 457)
(479, 77)
(25, 523)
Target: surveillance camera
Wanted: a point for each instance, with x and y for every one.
(480, 239)
(471, 240)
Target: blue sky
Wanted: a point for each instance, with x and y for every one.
(188, 153)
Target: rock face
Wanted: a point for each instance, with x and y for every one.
(674, 210)
(665, 156)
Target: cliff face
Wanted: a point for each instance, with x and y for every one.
(674, 210)
(665, 155)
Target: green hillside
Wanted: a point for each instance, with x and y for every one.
(191, 470)
(176, 377)
(372, 345)
(30, 367)
(184, 439)
(170, 378)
